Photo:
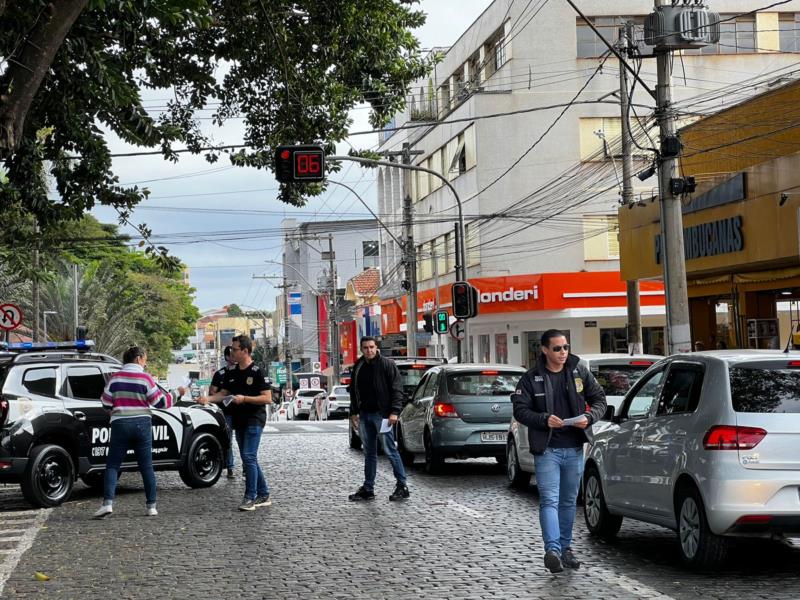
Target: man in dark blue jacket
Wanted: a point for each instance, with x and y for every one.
(376, 399)
(558, 400)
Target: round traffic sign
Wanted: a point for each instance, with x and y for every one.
(457, 329)
(10, 316)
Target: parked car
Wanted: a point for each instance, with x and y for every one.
(458, 411)
(303, 399)
(319, 408)
(283, 412)
(705, 444)
(339, 402)
(411, 371)
(54, 429)
(616, 374)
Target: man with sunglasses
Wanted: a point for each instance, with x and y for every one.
(558, 400)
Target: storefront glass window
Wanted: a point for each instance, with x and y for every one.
(501, 348)
(613, 340)
(483, 349)
(653, 340)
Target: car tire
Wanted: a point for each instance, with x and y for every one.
(700, 548)
(517, 478)
(204, 461)
(352, 437)
(599, 521)
(434, 461)
(49, 476)
(94, 480)
(406, 456)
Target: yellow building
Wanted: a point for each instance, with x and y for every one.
(742, 243)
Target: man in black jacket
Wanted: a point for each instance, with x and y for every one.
(558, 400)
(376, 399)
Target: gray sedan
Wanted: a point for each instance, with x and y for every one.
(705, 444)
(458, 411)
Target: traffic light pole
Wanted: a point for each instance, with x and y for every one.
(461, 253)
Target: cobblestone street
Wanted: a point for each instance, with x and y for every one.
(463, 534)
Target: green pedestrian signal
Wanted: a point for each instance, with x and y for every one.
(441, 321)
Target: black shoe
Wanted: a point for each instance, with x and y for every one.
(262, 501)
(553, 561)
(568, 559)
(400, 493)
(247, 505)
(231, 475)
(362, 494)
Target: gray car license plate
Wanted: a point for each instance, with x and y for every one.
(493, 436)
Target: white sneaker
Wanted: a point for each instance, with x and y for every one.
(103, 511)
(151, 511)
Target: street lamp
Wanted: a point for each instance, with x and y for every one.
(45, 313)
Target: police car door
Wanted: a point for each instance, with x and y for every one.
(168, 431)
(81, 391)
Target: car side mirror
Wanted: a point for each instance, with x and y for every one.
(609, 414)
(406, 399)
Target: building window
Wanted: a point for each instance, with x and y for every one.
(483, 349)
(736, 36)
(613, 340)
(601, 237)
(789, 32)
(501, 348)
(495, 51)
(589, 45)
(371, 253)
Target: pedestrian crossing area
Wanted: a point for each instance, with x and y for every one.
(18, 529)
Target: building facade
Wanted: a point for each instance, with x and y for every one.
(522, 117)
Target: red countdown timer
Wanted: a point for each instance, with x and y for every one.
(299, 163)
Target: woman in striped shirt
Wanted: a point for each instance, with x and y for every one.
(129, 395)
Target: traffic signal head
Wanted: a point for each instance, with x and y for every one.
(427, 326)
(303, 163)
(441, 321)
(463, 300)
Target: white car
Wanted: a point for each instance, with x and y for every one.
(283, 412)
(339, 402)
(616, 374)
(302, 401)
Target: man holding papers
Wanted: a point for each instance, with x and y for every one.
(558, 399)
(376, 399)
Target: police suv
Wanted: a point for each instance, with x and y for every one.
(53, 428)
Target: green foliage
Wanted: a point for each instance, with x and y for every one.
(234, 310)
(291, 70)
(124, 296)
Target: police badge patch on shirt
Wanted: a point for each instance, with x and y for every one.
(579, 384)
(249, 381)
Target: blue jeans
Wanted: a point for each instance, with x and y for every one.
(248, 438)
(229, 457)
(558, 475)
(369, 427)
(126, 433)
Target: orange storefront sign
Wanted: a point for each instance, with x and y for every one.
(547, 291)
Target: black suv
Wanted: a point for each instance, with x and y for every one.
(53, 428)
(411, 368)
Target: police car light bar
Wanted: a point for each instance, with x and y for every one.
(83, 345)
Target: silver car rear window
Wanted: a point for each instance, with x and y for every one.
(486, 383)
(765, 388)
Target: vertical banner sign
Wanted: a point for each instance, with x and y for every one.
(296, 308)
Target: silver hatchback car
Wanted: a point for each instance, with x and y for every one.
(707, 444)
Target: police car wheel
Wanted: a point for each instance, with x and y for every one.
(49, 476)
(204, 461)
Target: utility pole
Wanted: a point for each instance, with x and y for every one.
(409, 250)
(333, 335)
(75, 298)
(435, 260)
(634, 303)
(35, 284)
(672, 252)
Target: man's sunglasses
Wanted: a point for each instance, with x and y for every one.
(565, 347)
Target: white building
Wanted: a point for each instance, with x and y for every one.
(540, 189)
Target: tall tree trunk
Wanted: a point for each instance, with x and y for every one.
(28, 67)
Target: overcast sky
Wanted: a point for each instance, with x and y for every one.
(224, 222)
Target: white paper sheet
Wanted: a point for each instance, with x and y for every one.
(385, 427)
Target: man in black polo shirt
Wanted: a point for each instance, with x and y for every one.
(251, 394)
(217, 383)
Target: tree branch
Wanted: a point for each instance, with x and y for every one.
(27, 69)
